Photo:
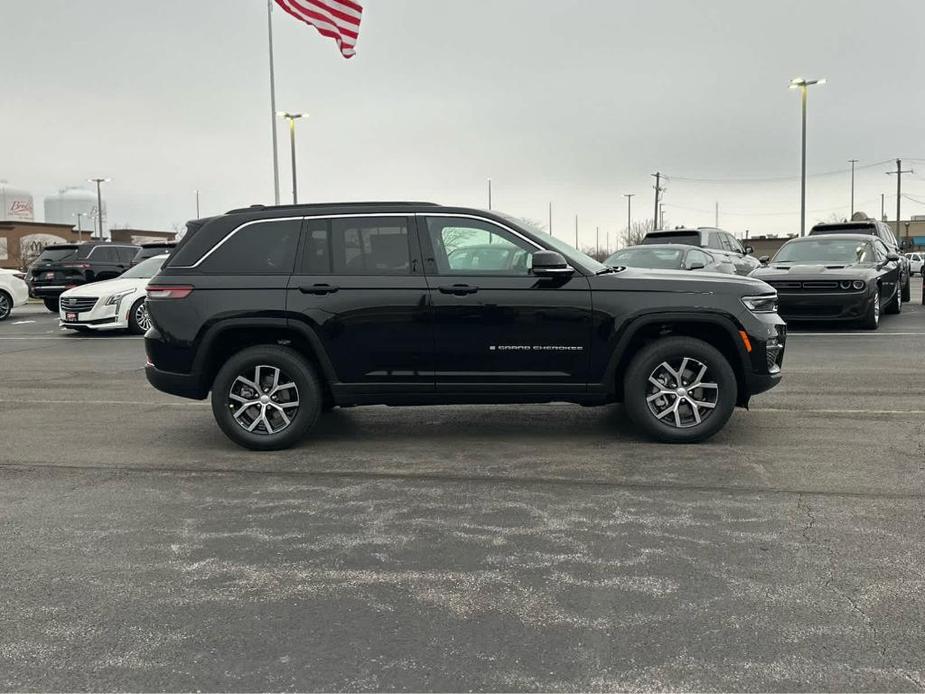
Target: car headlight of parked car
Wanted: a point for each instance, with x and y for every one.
(766, 303)
(116, 299)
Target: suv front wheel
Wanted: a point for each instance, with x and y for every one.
(679, 390)
(266, 398)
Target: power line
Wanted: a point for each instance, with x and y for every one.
(765, 214)
(772, 179)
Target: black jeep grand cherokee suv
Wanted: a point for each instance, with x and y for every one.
(282, 312)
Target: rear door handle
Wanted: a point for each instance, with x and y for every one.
(458, 289)
(318, 289)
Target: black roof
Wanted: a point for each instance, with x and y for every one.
(328, 205)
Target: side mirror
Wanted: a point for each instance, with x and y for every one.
(893, 257)
(749, 250)
(550, 264)
(764, 260)
(696, 265)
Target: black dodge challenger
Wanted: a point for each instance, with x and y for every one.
(838, 277)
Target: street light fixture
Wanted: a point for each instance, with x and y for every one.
(99, 202)
(803, 85)
(292, 117)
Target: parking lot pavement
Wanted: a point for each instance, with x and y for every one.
(450, 548)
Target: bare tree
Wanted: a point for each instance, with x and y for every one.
(637, 232)
(599, 255)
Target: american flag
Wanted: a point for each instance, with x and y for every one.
(336, 19)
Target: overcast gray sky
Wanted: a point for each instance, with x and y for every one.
(573, 102)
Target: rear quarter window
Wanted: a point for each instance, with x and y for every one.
(258, 248)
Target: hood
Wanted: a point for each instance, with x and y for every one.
(108, 287)
(682, 281)
(782, 271)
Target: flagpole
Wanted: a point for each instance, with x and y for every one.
(273, 103)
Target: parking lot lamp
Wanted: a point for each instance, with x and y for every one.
(99, 203)
(291, 117)
(803, 85)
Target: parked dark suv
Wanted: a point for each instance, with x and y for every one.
(282, 312)
(152, 249)
(63, 266)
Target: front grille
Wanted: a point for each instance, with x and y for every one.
(820, 285)
(821, 310)
(78, 304)
(786, 284)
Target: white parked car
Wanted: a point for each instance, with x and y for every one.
(916, 263)
(116, 304)
(13, 292)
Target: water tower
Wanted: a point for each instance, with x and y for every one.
(15, 204)
(66, 204)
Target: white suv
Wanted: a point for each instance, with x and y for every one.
(116, 304)
(916, 264)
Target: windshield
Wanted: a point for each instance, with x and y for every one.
(687, 238)
(555, 244)
(662, 258)
(822, 250)
(145, 269)
(55, 254)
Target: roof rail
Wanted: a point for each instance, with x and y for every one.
(325, 205)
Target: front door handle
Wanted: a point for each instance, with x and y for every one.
(318, 289)
(458, 289)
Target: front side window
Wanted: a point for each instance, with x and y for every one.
(695, 257)
(258, 248)
(716, 242)
(357, 246)
(473, 247)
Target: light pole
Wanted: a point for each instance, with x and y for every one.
(292, 117)
(550, 217)
(489, 194)
(803, 85)
(853, 162)
(79, 226)
(99, 202)
(629, 214)
(197, 203)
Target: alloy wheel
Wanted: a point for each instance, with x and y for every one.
(141, 317)
(679, 393)
(877, 308)
(5, 306)
(263, 400)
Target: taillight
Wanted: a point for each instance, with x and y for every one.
(163, 291)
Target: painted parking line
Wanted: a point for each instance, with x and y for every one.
(70, 339)
(858, 334)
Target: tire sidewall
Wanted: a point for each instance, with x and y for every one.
(295, 366)
(5, 313)
(133, 326)
(52, 302)
(635, 388)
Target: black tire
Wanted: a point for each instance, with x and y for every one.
(907, 289)
(871, 320)
(896, 305)
(6, 305)
(637, 389)
(134, 326)
(51, 304)
(308, 390)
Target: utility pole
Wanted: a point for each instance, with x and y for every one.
(658, 190)
(608, 243)
(99, 203)
(489, 193)
(899, 191)
(882, 210)
(273, 103)
(716, 215)
(197, 203)
(550, 217)
(597, 239)
(629, 213)
(661, 215)
(853, 162)
(576, 232)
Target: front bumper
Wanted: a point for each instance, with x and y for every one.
(815, 306)
(101, 316)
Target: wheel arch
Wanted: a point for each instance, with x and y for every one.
(717, 330)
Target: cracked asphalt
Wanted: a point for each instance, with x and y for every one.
(463, 548)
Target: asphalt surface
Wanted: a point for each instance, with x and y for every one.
(462, 548)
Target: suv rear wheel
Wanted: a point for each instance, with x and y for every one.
(266, 398)
(679, 390)
(907, 288)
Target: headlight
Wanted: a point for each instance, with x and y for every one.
(766, 303)
(858, 284)
(116, 299)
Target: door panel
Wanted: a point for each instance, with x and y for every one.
(494, 322)
(360, 288)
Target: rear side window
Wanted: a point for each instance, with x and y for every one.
(103, 254)
(55, 254)
(357, 246)
(258, 248)
(716, 242)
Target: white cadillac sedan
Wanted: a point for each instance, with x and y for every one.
(13, 292)
(116, 304)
